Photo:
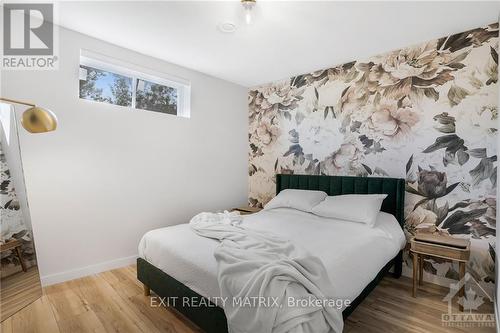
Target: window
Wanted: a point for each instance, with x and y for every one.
(107, 82)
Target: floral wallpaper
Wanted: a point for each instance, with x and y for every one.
(11, 221)
(427, 113)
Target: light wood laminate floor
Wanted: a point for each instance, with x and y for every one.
(18, 290)
(113, 301)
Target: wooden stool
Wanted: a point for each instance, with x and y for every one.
(15, 246)
(448, 248)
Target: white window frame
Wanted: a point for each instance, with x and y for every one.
(104, 63)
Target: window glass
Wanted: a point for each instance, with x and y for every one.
(102, 86)
(155, 97)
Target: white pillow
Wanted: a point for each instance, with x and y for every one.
(362, 208)
(303, 200)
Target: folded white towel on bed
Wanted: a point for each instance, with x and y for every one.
(258, 267)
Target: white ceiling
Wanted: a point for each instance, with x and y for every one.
(286, 38)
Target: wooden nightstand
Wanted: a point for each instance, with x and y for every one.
(14, 245)
(245, 210)
(452, 249)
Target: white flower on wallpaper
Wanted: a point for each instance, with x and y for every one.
(427, 113)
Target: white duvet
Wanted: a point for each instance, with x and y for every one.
(352, 253)
(258, 265)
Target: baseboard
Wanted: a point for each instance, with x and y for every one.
(431, 278)
(87, 270)
(440, 280)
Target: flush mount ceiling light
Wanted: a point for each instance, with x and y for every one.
(248, 6)
(227, 27)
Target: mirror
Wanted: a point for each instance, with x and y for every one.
(19, 278)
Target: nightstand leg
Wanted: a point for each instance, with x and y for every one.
(20, 256)
(420, 269)
(415, 273)
(147, 291)
(462, 290)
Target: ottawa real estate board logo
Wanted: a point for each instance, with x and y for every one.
(29, 37)
(474, 296)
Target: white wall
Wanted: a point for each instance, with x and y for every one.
(109, 174)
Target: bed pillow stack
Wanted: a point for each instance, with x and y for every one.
(362, 208)
(303, 200)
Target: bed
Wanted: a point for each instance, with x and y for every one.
(171, 269)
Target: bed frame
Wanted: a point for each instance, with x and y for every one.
(212, 318)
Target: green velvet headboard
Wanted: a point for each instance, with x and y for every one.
(337, 185)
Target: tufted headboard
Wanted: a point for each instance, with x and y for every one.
(337, 185)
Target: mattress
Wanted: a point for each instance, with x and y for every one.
(352, 253)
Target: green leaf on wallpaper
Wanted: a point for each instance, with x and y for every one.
(294, 136)
(452, 274)
(344, 92)
(492, 252)
(465, 39)
(451, 142)
(316, 93)
(287, 115)
(7, 204)
(355, 126)
(440, 143)
(451, 187)
(379, 171)
(457, 65)
(474, 81)
(483, 170)
(276, 165)
(329, 109)
(458, 58)
(428, 267)
(494, 54)
(460, 217)
(296, 150)
(431, 93)
(478, 152)
(411, 190)
(465, 187)
(441, 213)
(462, 157)
(367, 168)
(456, 94)
(312, 168)
(4, 185)
(409, 163)
(253, 202)
(492, 72)
(493, 177)
(299, 117)
(252, 170)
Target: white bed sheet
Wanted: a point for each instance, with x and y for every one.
(353, 253)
